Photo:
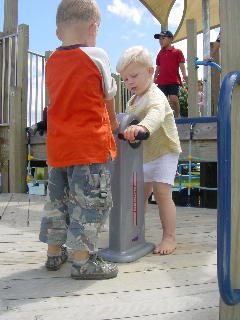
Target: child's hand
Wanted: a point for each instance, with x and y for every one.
(131, 132)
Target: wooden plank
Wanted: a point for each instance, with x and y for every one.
(47, 55)
(22, 74)
(36, 254)
(118, 98)
(129, 304)
(4, 202)
(39, 151)
(17, 165)
(106, 308)
(215, 83)
(191, 28)
(1, 69)
(4, 163)
(201, 131)
(182, 285)
(16, 213)
(126, 281)
(206, 150)
(10, 16)
(204, 141)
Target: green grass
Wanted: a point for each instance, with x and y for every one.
(194, 181)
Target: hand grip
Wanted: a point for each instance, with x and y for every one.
(139, 136)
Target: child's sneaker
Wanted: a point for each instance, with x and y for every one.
(55, 262)
(94, 269)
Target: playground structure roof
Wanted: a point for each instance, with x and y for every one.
(192, 10)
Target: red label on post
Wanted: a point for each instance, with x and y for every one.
(134, 199)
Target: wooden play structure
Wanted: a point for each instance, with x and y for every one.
(23, 97)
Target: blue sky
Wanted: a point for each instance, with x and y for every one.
(125, 23)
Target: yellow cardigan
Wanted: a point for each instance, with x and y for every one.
(155, 113)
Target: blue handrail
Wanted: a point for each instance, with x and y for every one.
(196, 120)
(229, 295)
(207, 63)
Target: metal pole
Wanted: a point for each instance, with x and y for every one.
(206, 54)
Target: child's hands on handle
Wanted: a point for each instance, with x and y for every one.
(132, 131)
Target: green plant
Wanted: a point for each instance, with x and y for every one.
(183, 100)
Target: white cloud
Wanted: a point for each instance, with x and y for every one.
(174, 17)
(124, 10)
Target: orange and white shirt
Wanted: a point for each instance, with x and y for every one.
(79, 130)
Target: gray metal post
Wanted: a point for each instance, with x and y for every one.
(126, 224)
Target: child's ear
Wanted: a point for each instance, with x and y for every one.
(58, 35)
(151, 70)
(92, 29)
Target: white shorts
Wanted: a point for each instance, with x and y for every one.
(162, 169)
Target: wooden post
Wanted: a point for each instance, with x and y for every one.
(17, 165)
(118, 97)
(192, 70)
(18, 116)
(10, 16)
(230, 46)
(4, 152)
(22, 69)
(1, 70)
(215, 84)
(47, 55)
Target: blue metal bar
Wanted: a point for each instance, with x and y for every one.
(229, 295)
(208, 63)
(196, 120)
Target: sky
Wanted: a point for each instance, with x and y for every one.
(125, 23)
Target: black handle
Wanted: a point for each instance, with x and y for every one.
(139, 136)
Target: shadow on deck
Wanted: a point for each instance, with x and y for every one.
(181, 286)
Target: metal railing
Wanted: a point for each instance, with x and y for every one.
(36, 87)
(229, 294)
(8, 73)
(125, 96)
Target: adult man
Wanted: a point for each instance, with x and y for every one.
(167, 77)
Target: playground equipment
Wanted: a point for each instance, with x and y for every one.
(207, 64)
(34, 184)
(126, 226)
(229, 293)
(191, 158)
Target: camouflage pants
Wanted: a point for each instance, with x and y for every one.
(84, 193)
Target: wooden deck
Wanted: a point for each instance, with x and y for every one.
(182, 286)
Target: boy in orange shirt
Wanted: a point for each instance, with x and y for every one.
(81, 119)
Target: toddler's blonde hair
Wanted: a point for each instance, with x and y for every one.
(77, 11)
(137, 54)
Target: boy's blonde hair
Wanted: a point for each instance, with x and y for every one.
(77, 11)
(137, 54)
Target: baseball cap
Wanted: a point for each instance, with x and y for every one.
(164, 34)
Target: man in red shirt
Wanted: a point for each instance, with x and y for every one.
(167, 76)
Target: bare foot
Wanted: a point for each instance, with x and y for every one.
(166, 246)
